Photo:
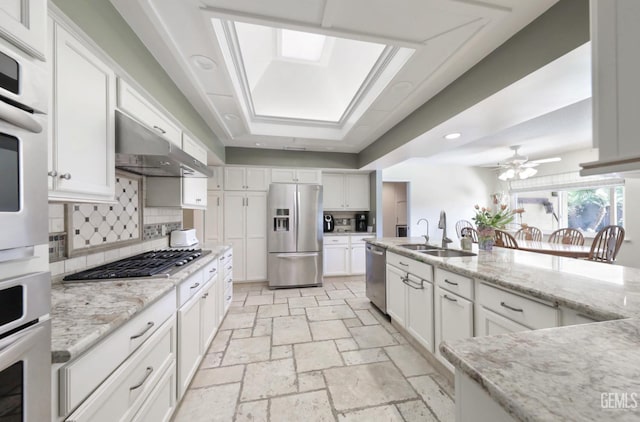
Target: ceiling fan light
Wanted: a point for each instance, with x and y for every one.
(527, 172)
(507, 174)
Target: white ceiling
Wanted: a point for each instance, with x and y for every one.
(449, 37)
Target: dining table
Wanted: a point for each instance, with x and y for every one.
(557, 249)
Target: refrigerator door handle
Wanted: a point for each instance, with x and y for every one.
(297, 255)
(297, 215)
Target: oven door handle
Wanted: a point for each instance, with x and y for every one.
(19, 118)
(10, 344)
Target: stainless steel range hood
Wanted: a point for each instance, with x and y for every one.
(142, 150)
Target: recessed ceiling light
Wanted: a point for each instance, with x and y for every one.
(451, 136)
(258, 144)
(230, 117)
(204, 62)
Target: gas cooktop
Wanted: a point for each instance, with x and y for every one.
(149, 264)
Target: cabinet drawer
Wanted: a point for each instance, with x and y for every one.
(455, 283)
(210, 270)
(122, 394)
(422, 270)
(336, 240)
(190, 286)
(80, 377)
(162, 401)
(358, 239)
(520, 309)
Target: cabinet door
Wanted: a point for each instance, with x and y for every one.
(234, 215)
(234, 178)
(256, 240)
(357, 192)
(239, 258)
(358, 262)
(83, 114)
(308, 176)
(420, 312)
(333, 191)
(336, 260)
(208, 314)
(213, 223)
(488, 323)
(453, 320)
(396, 295)
(189, 353)
(283, 175)
(24, 23)
(256, 260)
(215, 181)
(257, 179)
(194, 193)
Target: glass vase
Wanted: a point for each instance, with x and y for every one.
(486, 238)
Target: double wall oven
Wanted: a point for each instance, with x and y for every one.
(25, 327)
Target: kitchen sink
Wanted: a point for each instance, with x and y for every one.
(419, 247)
(447, 253)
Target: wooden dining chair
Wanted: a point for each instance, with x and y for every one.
(567, 236)
(461, 224)
(505, 240)
(470, 231)
(529, 233)
(606, 244)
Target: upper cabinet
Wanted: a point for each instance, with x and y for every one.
(136, 105)
(246, 178)
(81, 137)
(215, 181)
(615, 85)
(343, 191)
(310, 176)
(24, 23)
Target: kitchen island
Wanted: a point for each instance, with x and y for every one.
(567, 373)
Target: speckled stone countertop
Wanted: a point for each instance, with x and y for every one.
(557, 373)
(84, 313)
(349, 233)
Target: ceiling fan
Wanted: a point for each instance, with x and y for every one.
(518, 166)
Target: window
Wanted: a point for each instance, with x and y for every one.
(588, 209)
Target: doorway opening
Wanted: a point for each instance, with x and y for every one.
(395, 209)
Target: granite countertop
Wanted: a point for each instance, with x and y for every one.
(349, 233)
(557, 374)
(84, 313)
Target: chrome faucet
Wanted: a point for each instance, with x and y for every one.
(426, 236)
(442, 224)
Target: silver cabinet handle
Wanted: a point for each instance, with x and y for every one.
(198, 200)
(149, 326)
(228, 298)
(194, 286)
(53, 173)
(409, 283)
(206, 295)
(247, 201)
(147, 373)
(212, 270)
(403, 264)
(450, 282)
(218, 202)
(159, 129)
(229, 268)
(65, 176)
(450, 298)
(504, 305)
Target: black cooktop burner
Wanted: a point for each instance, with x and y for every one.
(146, 264)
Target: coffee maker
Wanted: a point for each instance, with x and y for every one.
(328, 224)
(361, 221)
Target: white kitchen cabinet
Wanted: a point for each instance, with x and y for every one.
(488, 323)
(24, 23)
(136, 105)
(213, 218)
(81, 137)
(336, 259)
(246, 178)
(246, 230)
(344, 255)
(345, 192)
(453, 320)
(189, 351)
(279, 175)
(396, 295)
(357, 260)
(419, 322)
(209, 314)
(215, 181)
(161, 404)
(194, 189)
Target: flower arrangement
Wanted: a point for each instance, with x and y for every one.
(497, 220)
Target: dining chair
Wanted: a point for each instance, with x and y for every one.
(505, 240)
(529, 233)
(470, 231)
(606, 244)
(461, 224)
(567, 236)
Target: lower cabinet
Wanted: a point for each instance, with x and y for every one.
(396, 295)
(161, 404)
(336, 260)
(189, 345)
(344, 255)
(453, 320)
(488, 323)
(420, 311)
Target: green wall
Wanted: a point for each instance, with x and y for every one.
(102, 22)
(278, 157)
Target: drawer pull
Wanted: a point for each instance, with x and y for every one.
(229, 268)
(150, 325)
(159, 129)
(504, 305)
(206, 295)
(409, 283)
(403, 264)
(212, 270)
(450, 298)
(147, 373)
(195, 286)
(228, 298)
(450, 282)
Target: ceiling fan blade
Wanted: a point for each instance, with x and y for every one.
(530, 164)
(547, 160)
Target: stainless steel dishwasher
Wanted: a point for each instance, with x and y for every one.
(377, 276)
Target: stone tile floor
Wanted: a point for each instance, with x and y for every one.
(314, 354)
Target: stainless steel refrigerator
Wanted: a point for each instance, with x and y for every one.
(294, 242)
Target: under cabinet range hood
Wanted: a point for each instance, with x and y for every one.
(143, 151)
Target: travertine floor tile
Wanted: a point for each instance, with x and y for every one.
(211, 360)
(281, 352)
(444, 384)
(340, 294)
(400, 338)
(262, 327)
(302, 302)
(314, 406)
(259, 300)
(352, 322)
(247, 350)
(235, 308)
(358, 357)
(288, 330)
(252, 411)
(270, 311)
(346, 344)
(323, 313)
(215, 376)
(359, 303)
(287, 293)
(366, 317)
(312, 291)
(326, 330)
(354, 387)
(297, 311)
(409, 361)
(220, 341)
(372, 336)
(241, 333)
(330, 302)
(268, 379)
(280, 300)
(437, 400)
(233, 321)
(381, 413)
(308, 381)
(217, 403)
(316, 355)
(416, 411)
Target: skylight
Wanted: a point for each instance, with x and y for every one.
(301, 45)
